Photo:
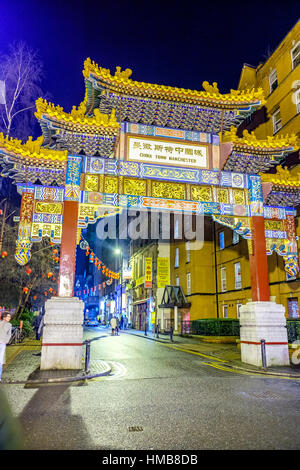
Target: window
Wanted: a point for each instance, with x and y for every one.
(293, 307)
(177, 281)
(142, 266)
(188, 283)
(225, 311)
(295, 53)
(297, 94)
(238, 306)
(177, 258)
(221, 241)
(235, 238)
(223, 279)
(188, 252)
(273, 80)
(237, 275)
(276, 121)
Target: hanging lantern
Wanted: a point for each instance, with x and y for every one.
(34, 297)
(4, 254)
(28, 271)
(55, 251)
(45, 293)
(25, 289)
(50, 274)
(50, 289)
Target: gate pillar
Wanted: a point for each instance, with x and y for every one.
(258, 261)
(63, 330)
(261, 319)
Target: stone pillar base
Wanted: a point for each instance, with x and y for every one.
(62, 334)
(263, 320)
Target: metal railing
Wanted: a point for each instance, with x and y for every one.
(87, 360)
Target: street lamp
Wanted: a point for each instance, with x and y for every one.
(118, 251)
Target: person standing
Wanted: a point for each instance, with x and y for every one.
(5, 334)
(113, 324)
(37, 325)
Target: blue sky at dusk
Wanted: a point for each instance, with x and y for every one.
(172, 43)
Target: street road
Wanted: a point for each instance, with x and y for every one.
(158, 397)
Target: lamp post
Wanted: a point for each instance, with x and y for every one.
(118, 251)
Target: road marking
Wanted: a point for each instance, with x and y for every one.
(194, 352)
(119, 370)
(257, 374)
(216, 365)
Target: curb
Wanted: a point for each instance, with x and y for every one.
(278, 374)
(61, 379)
(231, 365)
(152, 338)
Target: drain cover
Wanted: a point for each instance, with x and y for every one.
(135, 428)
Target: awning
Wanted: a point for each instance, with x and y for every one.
(173, 296)
(140, 302)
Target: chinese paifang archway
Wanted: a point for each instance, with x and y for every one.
(140, 145)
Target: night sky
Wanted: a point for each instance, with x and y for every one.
(171, 43)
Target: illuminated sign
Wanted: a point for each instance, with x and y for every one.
(148, 273)
(167, 152)
(163, 267)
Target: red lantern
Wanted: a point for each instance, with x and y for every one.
(45, 293)
(55, 251)
(28, 271)
(25, 289)
(34, 297)
(50, 274)
(4, 254)
(50, 289)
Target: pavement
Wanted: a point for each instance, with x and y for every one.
(23, 367)
(23, 360)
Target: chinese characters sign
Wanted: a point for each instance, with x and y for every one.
(168, 152)
(148, 273)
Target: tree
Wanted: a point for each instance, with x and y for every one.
(19, 284)
(22, 71)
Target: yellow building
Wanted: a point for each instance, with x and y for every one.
(216, 279)
(279, 77)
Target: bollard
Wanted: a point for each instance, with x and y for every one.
(145, 328)
(171, 333)
(157, 331)
(263, 353)
(87, 357)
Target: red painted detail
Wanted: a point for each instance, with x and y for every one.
(62, 344)
(68, 249)
(258, 261)
(254, 342)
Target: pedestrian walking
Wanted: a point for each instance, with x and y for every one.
(5, 335)
(37, 325)
(113, 324)
(122, 322)
(125, 322)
